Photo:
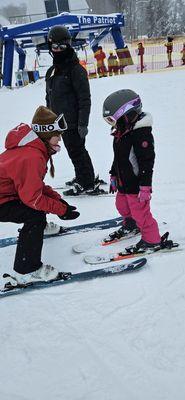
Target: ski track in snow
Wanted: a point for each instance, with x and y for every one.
(115, 338)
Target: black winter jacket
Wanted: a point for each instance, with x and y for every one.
(134, 157)
(68, 92)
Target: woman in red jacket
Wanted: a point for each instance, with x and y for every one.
(24, 198)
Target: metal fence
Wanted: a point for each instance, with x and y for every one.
(155, 55)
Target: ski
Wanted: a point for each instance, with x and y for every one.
(76, 190)
(101, 193)
(99, 259)
(67, 277)
(65, 187)
(83, 247)
(100, 225)
(129, 253)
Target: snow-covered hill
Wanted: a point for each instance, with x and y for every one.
(113, 339)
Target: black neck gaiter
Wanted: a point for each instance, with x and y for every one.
(62, 56)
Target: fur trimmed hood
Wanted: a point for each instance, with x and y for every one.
(146, 120)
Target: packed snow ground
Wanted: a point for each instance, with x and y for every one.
(120, 337)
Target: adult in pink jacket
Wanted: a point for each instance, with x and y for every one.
(24, 197)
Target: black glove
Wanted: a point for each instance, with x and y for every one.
(70, 212)
(68, 205)
(83, 131)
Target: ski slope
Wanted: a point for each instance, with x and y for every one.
(120, 338)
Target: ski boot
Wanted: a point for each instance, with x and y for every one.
(100, 181)
(128, 230)
(96, 191)
(44, 273)
(78, 190)
(71, 182)
(51, 229)
(144, 247)
(97, 180)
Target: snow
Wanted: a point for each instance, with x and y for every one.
(116, 338)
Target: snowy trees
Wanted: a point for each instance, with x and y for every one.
(162, 17)
(152, 18)
(176, 17)
(158, 17)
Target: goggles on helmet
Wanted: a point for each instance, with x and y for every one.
(123, 110)
(110, 120)
(59, 124)
(56, 46)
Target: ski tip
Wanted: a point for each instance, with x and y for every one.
(136, 264)
(108, 243)
(139, 261)
(142, 260)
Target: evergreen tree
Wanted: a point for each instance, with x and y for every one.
(161, 18)
(176, 17)
(152, 18)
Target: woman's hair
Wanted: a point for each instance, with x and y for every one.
(50, 152)
(44, 116)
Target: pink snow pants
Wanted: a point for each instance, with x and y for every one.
(129, 206)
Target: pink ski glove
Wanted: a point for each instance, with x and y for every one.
(113, 184)
(145, 193)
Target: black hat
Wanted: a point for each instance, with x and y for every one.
(59, 34)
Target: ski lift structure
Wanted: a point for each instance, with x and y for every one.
(16, 38)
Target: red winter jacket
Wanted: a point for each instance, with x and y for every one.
(23, 166)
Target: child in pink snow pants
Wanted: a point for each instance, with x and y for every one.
(132, 168)
(129, 206)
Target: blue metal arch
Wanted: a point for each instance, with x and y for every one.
(75, 23)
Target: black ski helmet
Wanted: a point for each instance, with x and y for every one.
(59, 34)
(120, 103)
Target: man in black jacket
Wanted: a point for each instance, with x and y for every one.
(68, 92)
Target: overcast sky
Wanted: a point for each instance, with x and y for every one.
(13, 2)
(73, 3)
(4, 3)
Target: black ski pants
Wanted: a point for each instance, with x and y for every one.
(30, 240)
(80, 158)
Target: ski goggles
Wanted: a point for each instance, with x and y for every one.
(56, 46)
(59, 124)
(123, 110)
